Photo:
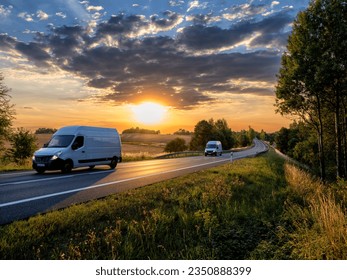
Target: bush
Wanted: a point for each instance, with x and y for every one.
(23, 145)
(176, 145)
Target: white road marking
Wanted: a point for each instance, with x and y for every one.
(102, 185)
(15, 173)
(54, 178)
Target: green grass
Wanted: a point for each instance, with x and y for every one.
(6, 166)
(249, 209)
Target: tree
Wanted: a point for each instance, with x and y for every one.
(205, 131)
(224, 133)
(242, 139)
(23, 146)
(262, 135)
(6, 112)
(312, 79)
(176, 145)
(282, 139)
(251, 134)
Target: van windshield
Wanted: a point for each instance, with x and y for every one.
(211, 146)
(60, 141)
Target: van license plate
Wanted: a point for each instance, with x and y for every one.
(40, 165)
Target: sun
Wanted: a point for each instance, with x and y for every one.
(149, 112)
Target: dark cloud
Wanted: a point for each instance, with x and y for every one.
(274, 23)
(66, 41)
(7, 42)
(174, 70)
(122, 25)
(34, 52)
(273, 39)
(177, 79)
(165, 23)
(202, 37)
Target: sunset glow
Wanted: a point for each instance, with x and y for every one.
(149, 112)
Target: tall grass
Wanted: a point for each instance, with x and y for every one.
(318, 217)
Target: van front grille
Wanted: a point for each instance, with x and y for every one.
(42, 159)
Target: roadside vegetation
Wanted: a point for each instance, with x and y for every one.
(312, 87)
(256, 208)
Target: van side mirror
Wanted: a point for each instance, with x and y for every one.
(45, 145)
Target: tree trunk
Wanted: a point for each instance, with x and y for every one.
(321, 142)
(338, 135)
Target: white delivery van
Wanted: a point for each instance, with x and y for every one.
(213, 148)
(79, 146)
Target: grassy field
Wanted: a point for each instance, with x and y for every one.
(258, 208)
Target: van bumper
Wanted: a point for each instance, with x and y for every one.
(56, 164)
(210, 153)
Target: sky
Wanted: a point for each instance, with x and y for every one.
(71, 62)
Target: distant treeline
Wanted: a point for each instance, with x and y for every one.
(44, 130)
(182, 131)
(207, 130)
(140, 130)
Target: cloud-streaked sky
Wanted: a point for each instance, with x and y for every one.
(87, 62)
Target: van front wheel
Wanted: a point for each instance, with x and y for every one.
(67, 166)
(113, 163)
(40, 170)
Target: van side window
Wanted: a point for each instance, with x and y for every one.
(78, 143)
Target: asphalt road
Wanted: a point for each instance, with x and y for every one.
(24, 194)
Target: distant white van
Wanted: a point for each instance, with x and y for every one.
(213, 148)
(79, 146)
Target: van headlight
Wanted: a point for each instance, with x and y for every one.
(56, 156)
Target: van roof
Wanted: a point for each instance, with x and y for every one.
(72, 130)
